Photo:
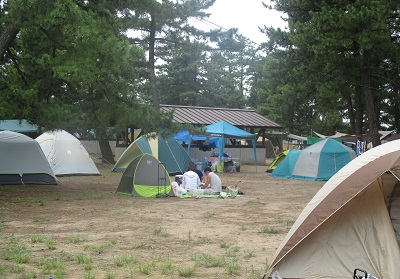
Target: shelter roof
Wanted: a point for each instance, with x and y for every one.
(208, 115)
(353, 138)
(19, 126)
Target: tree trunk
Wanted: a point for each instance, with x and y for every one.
(359, 112)
(153, 84)
(6, 39)
(373, 122)
(106, 152)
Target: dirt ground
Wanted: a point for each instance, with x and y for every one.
(96, 233)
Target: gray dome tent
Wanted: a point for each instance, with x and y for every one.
(22, 161)
(145, 176)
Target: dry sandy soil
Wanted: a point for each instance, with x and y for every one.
(83, 229)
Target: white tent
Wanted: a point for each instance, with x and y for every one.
(66, 154)
(352, 222)
(22, 161)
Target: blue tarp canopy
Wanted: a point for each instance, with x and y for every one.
(221, 130)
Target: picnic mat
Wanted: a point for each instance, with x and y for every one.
(185, 196)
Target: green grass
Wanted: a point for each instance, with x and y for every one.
(123, 260)
(254, 273)
(232, 268)
(50, 243)
(186, 271)
(249, 254)
(99, 248)
(167, 267)
(161, 231)
(54, 267)
(37, 238)
(147, 268)
(89, 276)
(83, 259)
(205, 240)
(110, 274)
(90, 197)
(27, 200)
(20, 253)
(224, 244)
(40, 219)
(269, 230)
(76, 239)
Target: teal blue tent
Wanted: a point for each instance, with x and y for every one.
(319, 161)
(285, 168)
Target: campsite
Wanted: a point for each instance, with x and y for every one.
(82, 229)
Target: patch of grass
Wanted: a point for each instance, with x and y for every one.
(139, 245)
(90, 197)
(76, 239)
(161, 231)
(232, 254)
(254, 274)
(54, 267)
(208, 260)
(40, 219)
(17, 269)
(123, 260)
(224, 244)
(2, 268)
(50, 243)
(289, 223)
(269, 230)
(242, 227)
(213, 261)
(232, 268)
(248, 254)
(83, 259)
(210, 214)
(110, 274)
(99, 249)
(197, 258)
(205, 240)
(167, 267)
(37, 238)
(89, 276)
(27, 200)
(186, 271)
(147, 268)
(21, 253)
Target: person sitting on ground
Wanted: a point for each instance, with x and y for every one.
(212, 182)
(190, 180)
(192, 167)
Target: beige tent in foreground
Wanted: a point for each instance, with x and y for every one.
(352, 222)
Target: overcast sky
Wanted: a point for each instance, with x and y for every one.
(246, 15)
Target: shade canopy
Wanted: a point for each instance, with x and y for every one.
(224, 130)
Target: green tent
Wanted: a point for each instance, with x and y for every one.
(278, 159)
(145, 176)
(168, 151)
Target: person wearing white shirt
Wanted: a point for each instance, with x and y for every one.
(190, 180)
(212, 182)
